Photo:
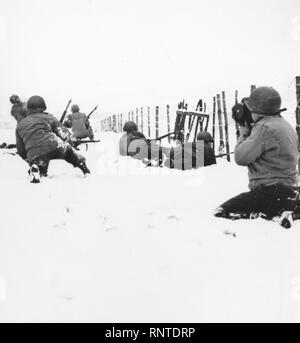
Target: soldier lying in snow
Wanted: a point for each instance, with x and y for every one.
(79, 124)
(133, 143)
(270, 151)
(192, 155)
(41, 138)
(184, 157)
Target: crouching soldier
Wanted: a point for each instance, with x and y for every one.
(79, 124)
(41, 138)
(270, 152)
(192, 155)
(19, 109)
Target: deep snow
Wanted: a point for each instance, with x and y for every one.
(136, 244)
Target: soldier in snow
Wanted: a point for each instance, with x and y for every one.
(19, 109)
(134, 143)
(130, 134)
(19, 112)
(79, 124)
(41, 138)
(269, 148)
(192, 155)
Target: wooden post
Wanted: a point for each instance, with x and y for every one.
(121, 122)
(110, 123)
(236, 97)
(168, 122)
(157, 121)
(129, 116)
(226, 126)
(214, 121)
(149, 122)
(137, 118)
(114, 123)
(221, 147)
(132, 116)
(142, 120)
(298, 113)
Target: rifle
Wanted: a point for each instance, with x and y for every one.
(223, 155)
(65, 111)
(77, 143)
(162, 137)
(88, 117)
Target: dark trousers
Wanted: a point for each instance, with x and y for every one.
(66, 153)
(270, 201)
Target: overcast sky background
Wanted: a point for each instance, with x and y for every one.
(123, 54)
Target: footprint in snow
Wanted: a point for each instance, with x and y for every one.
(109, 229)
(230, 233)
(67, 298)
(172, 217)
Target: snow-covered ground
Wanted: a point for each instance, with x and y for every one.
(135, 244)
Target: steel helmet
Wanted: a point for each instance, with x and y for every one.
(205, 136)
(130, 126)
(14, 99)
(36, 103)
(265, 101)
(75, 108)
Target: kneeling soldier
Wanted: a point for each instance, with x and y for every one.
(41, 138)
(270, 151)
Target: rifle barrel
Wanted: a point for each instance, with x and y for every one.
(93, 111)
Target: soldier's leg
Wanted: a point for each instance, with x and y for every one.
(38, 167)
(247, 205)
(72, 157)
(91, 133)
(68, 153)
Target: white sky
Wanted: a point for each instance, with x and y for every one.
(123, 54)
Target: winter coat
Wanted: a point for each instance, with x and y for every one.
(80, 125)
(270, 152)
(131, 139)
(195, 155)
(19, 111)
(39, 134)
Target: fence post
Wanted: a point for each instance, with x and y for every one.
(226, 126)
(214, 121)
(157, 121)
(168, 122)
(298, 113)
(236, 97)
(114, 123)
(142, 120)
(137, 118)
(221, 147)
(149, 122)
